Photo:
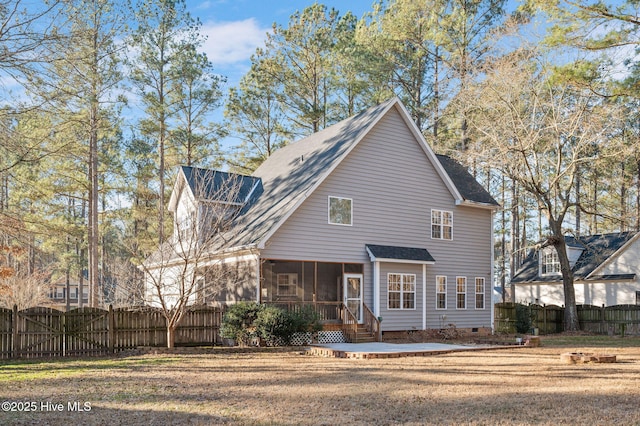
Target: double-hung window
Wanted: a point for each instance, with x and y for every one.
(401, 291)
(441, 292)
(549, 262)
(441, 225)
(461, 292)
(479, 293)
(287, 284)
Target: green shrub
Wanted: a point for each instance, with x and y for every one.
(245, 321)
(238, 322)
(523, 318)
(306, 320)
(275, 326)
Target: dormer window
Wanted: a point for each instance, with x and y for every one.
(549, 262)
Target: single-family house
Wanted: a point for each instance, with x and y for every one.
(605, 268)
(361, 220)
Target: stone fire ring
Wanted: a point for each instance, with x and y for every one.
(583, 358)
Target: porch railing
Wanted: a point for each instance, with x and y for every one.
(327, 311)
(372, 323)
(349, 325)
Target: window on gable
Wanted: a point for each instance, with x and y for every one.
(549, 262)
(441, 225)
(340, 211)
(401, 291)
(461, 293)
(441, 292)
(479, 293)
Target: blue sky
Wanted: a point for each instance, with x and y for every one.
(235, 28)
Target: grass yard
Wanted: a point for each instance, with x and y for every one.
(508, 386)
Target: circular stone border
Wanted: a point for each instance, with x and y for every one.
(583, 358)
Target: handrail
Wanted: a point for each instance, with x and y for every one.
(349, 324)
(372, 323)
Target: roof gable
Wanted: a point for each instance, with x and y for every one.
(213, 186)
(292, 173)
(597, 251)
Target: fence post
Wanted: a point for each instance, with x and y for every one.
(111, 329)
(544, 318)
(15, 342)
(605, 329)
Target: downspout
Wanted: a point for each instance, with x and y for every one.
(491, 275)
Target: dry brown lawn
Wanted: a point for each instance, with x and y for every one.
(508, 386)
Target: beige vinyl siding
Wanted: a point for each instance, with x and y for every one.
(393, 186)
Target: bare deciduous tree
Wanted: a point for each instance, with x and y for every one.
(542, 132)
(24, 290)
(188, 268)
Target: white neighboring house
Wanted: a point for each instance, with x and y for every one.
(606, 271)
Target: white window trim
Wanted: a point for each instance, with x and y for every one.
(459, 292)
(402, 292)
(541, 262)
(295, 285)
(329, 210)
(484, 290)
(439, 292)
(440, 212)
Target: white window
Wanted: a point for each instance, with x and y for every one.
(401, 291)
(479, 293)
(441, 292)
(461, 292)
(287, 284)
(549, 262)
(441, 225)
(340, 211)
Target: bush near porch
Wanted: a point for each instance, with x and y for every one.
(246, 322)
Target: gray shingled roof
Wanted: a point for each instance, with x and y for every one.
(596, 250)
(290, 175)
(468, 187)
(212, 185)
(400, 253)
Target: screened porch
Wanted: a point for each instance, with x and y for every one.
(294, 284)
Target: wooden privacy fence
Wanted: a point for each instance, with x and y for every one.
(613, 320)
(46, 332)
(514, 318)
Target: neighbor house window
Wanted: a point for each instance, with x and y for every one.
(441, 225)
(479, 293)
(549, 262)
(287, 284)
(461, 293)
(340, 211)
(441, 292)
(637, 297)
(401, 291)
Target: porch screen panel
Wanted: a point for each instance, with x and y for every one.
(308, 282)
(329, 282)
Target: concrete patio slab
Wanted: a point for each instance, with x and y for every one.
(389, 350)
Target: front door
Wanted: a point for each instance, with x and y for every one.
(353, 294)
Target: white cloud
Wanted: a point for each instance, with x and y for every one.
(233, 42)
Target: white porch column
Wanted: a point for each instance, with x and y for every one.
(424, 297)
(376, 288)
(258, 287)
